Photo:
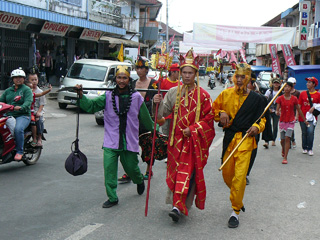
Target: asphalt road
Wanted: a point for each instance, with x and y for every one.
(45, 202)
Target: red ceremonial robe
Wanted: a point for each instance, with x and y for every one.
(188, 155)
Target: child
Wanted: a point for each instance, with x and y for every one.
(36, 122)
(287, 103)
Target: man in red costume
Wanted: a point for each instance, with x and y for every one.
(171, 81)
(191, 134)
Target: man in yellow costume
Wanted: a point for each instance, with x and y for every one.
(237, 109)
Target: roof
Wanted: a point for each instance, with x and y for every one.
(32, 12)
(305, 67)
(125, 42)
(261, 68)
(101, 62)
(171, 30)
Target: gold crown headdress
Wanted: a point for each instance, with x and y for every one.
(243, 69)
(122, 69)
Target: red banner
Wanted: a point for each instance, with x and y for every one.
(288, 56)
(275, 59)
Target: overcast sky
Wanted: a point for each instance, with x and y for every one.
(182, 13)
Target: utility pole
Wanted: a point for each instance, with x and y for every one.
(167, 28)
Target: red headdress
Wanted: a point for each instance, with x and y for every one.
(190, 60)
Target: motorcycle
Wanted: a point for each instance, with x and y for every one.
(7, 144)
(212, 83)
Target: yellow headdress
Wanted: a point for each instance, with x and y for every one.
(123, 69)
(242, 69)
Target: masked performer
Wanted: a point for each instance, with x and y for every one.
(237, 109)
(124, 108)
(191, 134)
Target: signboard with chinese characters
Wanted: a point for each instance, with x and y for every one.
(91, 35)
(9, 20)
(304, 8)
(54, 29)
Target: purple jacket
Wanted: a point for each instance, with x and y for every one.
(112, 123)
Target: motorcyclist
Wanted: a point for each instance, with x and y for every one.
(20, 96)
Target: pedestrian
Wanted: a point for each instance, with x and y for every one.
(270, 93)
(144, 82)
(286, 104)
(48, 64)
(295, 93)
(306, 99)
(237, 109)
(191, 134)
(124, 108)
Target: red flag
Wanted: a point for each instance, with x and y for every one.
(171, 39)
(171, 52)
(219, 51)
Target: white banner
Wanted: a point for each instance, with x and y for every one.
(268, 35)
(54, 29)
(8, 20)
(213, 45)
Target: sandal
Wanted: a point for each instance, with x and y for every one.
(33, 144)
(39, 144)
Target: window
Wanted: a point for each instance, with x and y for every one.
(73, 2)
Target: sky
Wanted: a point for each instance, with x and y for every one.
(251, 13)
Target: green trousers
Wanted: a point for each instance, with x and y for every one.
(129, 161)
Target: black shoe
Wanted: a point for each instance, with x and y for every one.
(146, 176)
(248, 182)
(124, 179)
(108, 204)
(233, 222)
(175, 215)
(140, 188)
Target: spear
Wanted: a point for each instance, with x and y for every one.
(110, 89)
(153, 147)
(245, 136)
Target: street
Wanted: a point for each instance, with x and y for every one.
(45, 202)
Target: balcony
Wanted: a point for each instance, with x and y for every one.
(106, 12)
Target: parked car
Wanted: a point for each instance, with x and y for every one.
(91, 73)
(133, 74)
(263, 81)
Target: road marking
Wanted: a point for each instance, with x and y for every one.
(216, 144)
(84, 231)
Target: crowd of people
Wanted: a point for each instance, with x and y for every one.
(187, 115)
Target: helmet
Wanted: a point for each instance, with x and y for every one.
(292, 80)
(18, 73)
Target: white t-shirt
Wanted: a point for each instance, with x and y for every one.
(267, 94)
(39, 101)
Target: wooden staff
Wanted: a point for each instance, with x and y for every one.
(245, 136)
(110, 89)
(153, 147)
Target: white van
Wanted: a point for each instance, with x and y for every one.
(91, 73)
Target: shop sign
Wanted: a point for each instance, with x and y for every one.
(91, 35)
(54, 29)
(304, 8)
(8, 20)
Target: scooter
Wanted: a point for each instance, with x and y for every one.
(7, 144)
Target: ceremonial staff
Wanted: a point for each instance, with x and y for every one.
(245, 136)
(110, 89)
(162, 62)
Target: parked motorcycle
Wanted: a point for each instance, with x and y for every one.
(7, 144)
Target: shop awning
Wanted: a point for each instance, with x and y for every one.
(32, 12)
(125, 42)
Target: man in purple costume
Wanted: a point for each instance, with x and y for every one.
(124, 108)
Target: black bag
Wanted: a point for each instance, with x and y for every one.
(315, 111)
(76, 164)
